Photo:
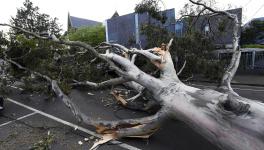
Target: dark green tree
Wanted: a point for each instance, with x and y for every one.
(193, 47)
(3, 65)
(28, 17)
(153, 8)
(252, 33)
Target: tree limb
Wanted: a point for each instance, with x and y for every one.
(70, 43)
(82, 117)
(104, 84)
(234, 63)
(183, 66)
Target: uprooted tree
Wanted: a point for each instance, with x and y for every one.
(220, 115)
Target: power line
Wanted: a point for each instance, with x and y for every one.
(248, 3)
(258, 10)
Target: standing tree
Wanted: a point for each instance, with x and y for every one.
(253, 33)
(221, 116)
(29, 18)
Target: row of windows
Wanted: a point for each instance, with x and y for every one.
(179, 28)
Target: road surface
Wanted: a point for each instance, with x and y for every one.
(27, 118)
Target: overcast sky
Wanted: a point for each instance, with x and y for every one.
(100, 10)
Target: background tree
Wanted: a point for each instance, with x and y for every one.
(153, 8)
(93, 35)
(57, 61)
(35, 53)
(193, 47)
(29, 17)
(253, 33)
(3, 66)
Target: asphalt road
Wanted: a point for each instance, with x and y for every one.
(27, 118)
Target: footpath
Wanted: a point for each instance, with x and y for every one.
(250, 80)
(254, 80)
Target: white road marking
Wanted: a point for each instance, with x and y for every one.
(123, 145)
(16, 87)
(28, 115)
(235, 88)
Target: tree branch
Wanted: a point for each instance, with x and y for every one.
(82, 117)
(234, 63)
(104, 84)
(183, 66)
(70, 43)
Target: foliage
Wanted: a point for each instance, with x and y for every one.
(44, 143)
(196, 49)
(153, 9)
(42, 56)
(155, 35)
(254, 32)
(83, 68)
(3, 40)
(3, 66)
(212, 69)
(92, 35)
(193, 46)
(29, 18)
(252, 46)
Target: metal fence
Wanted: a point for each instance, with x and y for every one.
(250, 62)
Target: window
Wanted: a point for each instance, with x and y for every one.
(206, 29)
(178, 29)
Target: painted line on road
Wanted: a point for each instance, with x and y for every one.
(16, 87)
(256, 90)
(20, 118)
(123, 145)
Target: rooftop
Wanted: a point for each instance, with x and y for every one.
(77, 22)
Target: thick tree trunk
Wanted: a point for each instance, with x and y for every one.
(203, 110)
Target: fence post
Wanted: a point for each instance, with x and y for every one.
(253, 59)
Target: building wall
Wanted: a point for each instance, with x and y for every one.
(121, 29)
(125, 29)
(220, 38)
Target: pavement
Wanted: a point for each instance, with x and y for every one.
(252, 80)
(255, 80)
(27, 119)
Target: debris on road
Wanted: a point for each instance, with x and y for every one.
(80, 142)
(105, 138)
(90, 93)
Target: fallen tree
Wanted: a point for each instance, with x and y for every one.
(220, 115)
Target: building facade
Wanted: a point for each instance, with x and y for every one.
(126, 29)
(218, 28)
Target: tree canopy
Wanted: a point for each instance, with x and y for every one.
(253, 33)
(92, 35)
(28, 17)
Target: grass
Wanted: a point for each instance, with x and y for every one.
(252, 46)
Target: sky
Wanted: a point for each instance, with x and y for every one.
(100, 10)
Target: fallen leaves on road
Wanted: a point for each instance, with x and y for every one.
(119, 97)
